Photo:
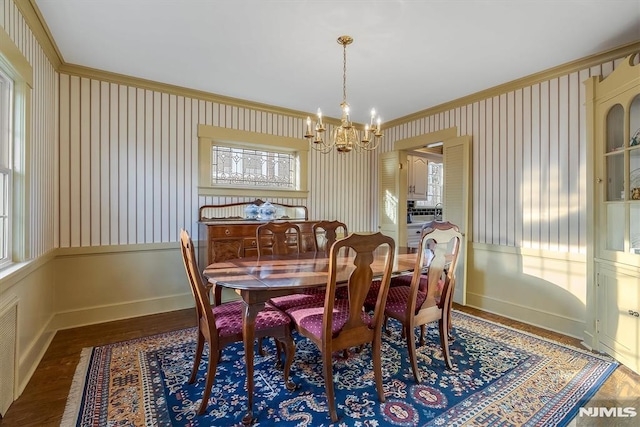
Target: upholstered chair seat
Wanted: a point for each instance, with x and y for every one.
(229, 318)
(309, 297)
(397, 301)
(310, 317)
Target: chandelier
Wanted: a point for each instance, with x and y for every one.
(345, 137)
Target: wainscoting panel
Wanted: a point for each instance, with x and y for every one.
(542, 288)
(8, 338)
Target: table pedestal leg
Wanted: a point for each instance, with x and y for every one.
(248, 332)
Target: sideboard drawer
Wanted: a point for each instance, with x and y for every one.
(221, 231)
(250, 243)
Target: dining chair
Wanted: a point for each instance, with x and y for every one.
(429, 295)
(325, 234)
(303, 296)
(335, 323)
(278, 238)
(222, 324)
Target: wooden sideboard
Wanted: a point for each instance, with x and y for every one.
(225, 234)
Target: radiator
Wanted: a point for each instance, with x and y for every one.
(8, 326)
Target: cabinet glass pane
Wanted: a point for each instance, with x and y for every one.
(615, 227)
(634, 175)
(634, 229)
(615, 177)
(634, 122)
(615, 128)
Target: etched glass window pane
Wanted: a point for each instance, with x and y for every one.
(250, 168)
(434, 183)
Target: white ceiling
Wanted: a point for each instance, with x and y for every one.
(407, 55)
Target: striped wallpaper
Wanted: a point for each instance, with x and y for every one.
(128, 164)
(529, 162)
(128, 161)
(42, 154)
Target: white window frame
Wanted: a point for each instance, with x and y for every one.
(6, 168)
(14, 64)
(213, 135)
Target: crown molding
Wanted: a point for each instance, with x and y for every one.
(40, 30)
(93, 73)
(551, 73)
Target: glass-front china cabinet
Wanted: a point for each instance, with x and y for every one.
(613, 110)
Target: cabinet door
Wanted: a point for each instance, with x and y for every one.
(410, 177)
(419, 172)
(618, 320)
(416, 177)
(224, 249)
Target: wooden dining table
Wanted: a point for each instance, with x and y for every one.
(258, 279)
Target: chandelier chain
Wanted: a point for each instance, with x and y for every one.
(344, 73)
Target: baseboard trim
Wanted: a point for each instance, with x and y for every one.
(532, 316)
(108, 313)
(33, 355)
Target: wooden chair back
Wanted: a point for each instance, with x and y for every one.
(438, 255)
(278, 238)
(355, 331)
(268, 322)
(206, 316)
(428, 298)
(325, 234)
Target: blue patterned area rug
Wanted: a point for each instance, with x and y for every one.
(501, 377)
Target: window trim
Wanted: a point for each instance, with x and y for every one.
(207, 135)
(16, 66)
(6, 116)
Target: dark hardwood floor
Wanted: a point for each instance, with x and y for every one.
(43, 401)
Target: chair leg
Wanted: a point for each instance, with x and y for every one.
(376, 348)
(260, 349)
(328, 384)
(411, 347)
(279, 353)
(289, 346)
(384, 325)
(211, 375)
(422, 333)
(197, 358)
(444, 341)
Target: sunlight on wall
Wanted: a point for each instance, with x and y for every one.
(391, 207)
(546, 225)
(563, 273)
